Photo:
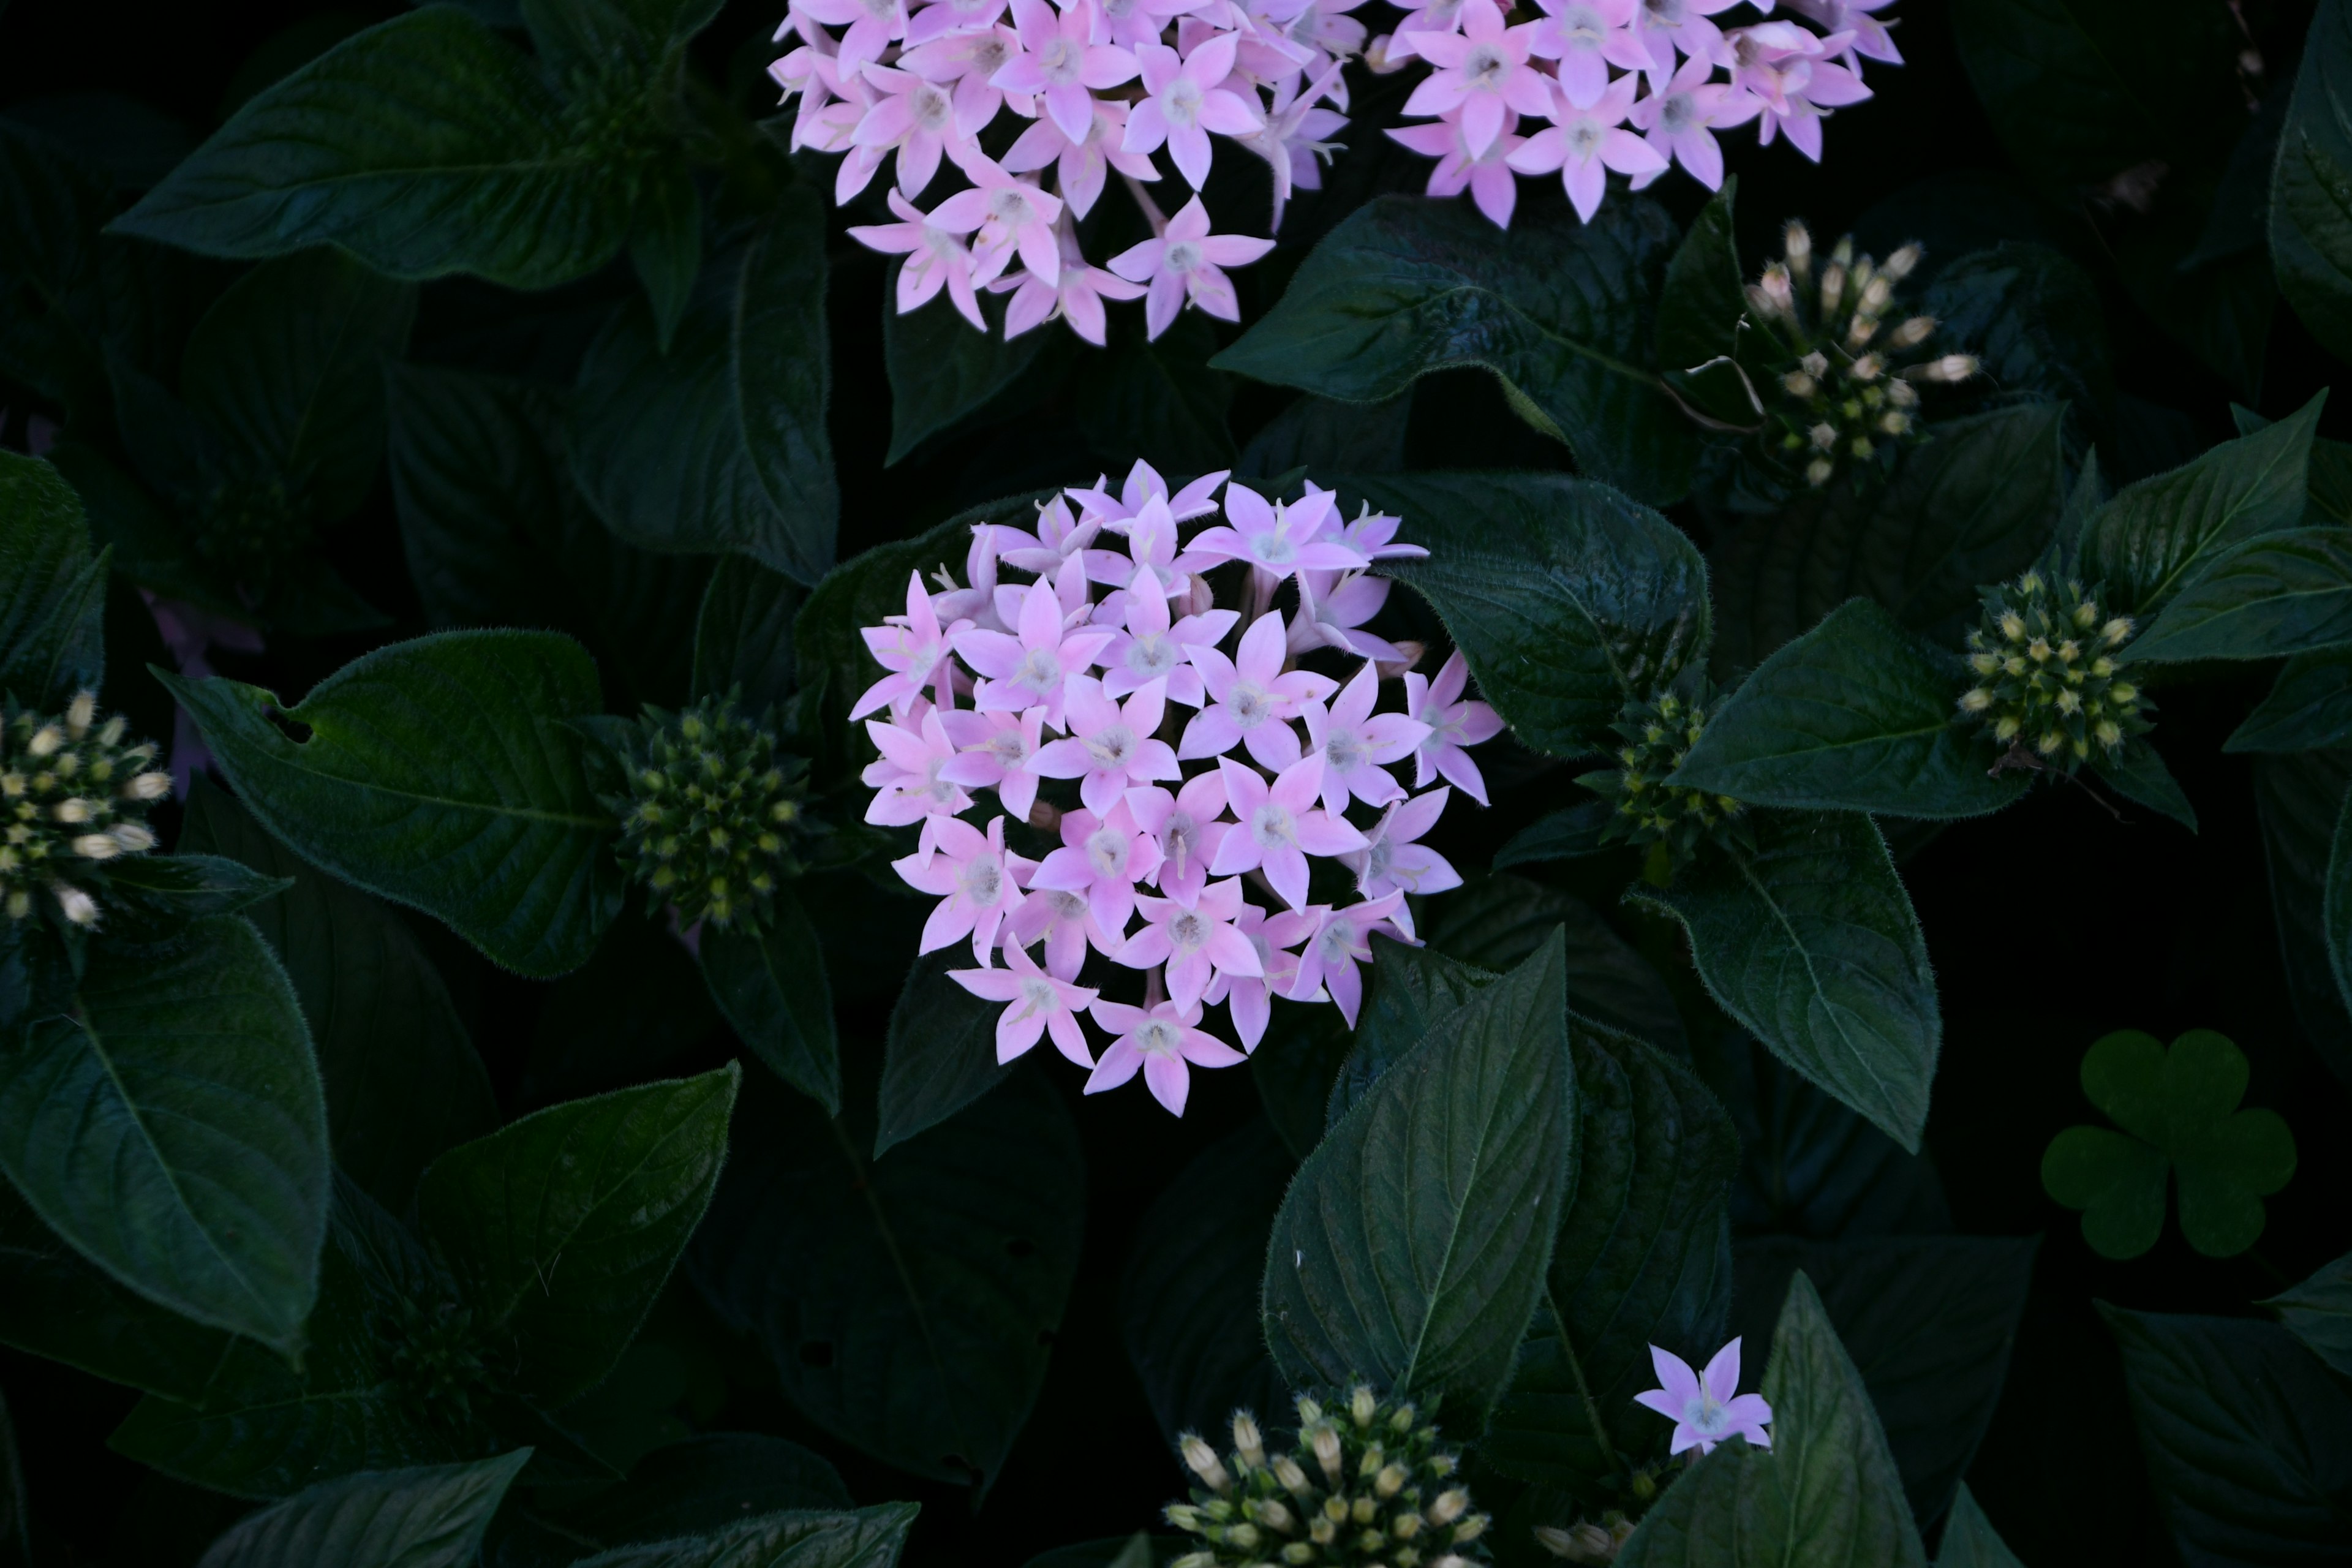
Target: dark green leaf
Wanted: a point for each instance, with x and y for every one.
(561, 1228)
(1969, 1541)
(743, 635)
(403, 1080)
(438, 773)
(1975, 505)
(1702, 307)
(2298, 798)
(721, 444)
(1324, 436)
(1193, 1275)
(2319, 1312)
(2309, 707)
(2138, 775)
(1825, 1493)
(1810, 941)
(941, 371)
(908, 1302)
(770, 986)
(52, 592)
(1563, 315)
(431, 1517)
(157, 893)
(1811, 1168)
(1497, 920)
(1565, 835)
(1137, 1551)
(174, 1131)
(2249, 1441)
(1413, 991)
(694, 1487)
(621, 1018)
(869, 1537)
(941, 1054)
(2036, 324)
(1855, 715)
(1295, 1067)
(666, 247)
(52, 290)
(2310, 228)
(1567, 599)
(1412, 1248)
(1159, 399)
(427, 145)
(2281, 594)
(582, 38)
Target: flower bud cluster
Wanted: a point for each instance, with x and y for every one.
(2050, 676)
(72, 797)
(1363, 1482)
(1847, 362)
(1658, 734)
(1586, 1541)
(711, 814)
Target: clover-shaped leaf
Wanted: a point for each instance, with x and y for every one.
(2177, 1110)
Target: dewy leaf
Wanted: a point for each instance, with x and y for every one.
(52, 590)
(2319, 1312)
(869, 1537)
(1969, 1541)
(1411, 1250)
(1824, 1494)
(438, 773)
(288, 368)
(2310, 227)
(1855, 715)
(403, 1079)
(2281, 594)
(431, 1517)
(770, 985)
(2156, 536)
(1978, 504)
(940, 1054)
(425, 146)
(2248, 1439)
(1563, 315)
(721, 445)
(1810, 941)
(1567, 599)
(562, 1228)
(173, 1129)
(908, 1302)
(2309, 707)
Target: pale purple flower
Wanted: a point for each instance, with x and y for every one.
(1682, 117)
(1353, 742)
(1441, 17)
(1332, 609)
(1706, 1409)
(1277, 538)
(1102, 856)
(1297, 134)
(1587, 36)
(1868, 34)
(1392, 861)
(1454, 723)
(1152, 647)
(997, 750)
(1825, 85)
(1059, 538)
(1039, 1001)
(1248, 1000)
(918, 120)
(1076, 297)
(1374, 535)
(872, 26)
(1482, 70)
(1013, 217)
(1030, 669)
(1111, 744)
(1132, 24)
(936, 260)
(1060, 63)
(1278, 827)
(1584, 144)
(1486, 175)
(978, 880)
(965, 60)
(1187, 263)
(1252, 698)
(1185, 830)
(912, 647)
(1064, 922)
(1137, 489)
(1194, 938)
(1082, 165)
(909, 777)
(1342, 941)
(1164, 1043)
(1186, 101)
(1663, 26)
(977, 602)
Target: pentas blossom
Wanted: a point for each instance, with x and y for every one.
(1708, 1407)
(1590, 88)
(1110, 774)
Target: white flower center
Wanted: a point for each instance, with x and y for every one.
(1156, 1037)
(989, 55)
(1182, 102)
(1664, 13)
(1584, 139)
(1039, 996)
(1703, 1416)
(1111, 746)
(1107, 851)
(1250, 705)
(1275, 549)
(1066, 905)
(1009, 206)
(1676, 113)
(1581, 27)
(1377, 858)
(1061, 60)
(1041, 670)
(1271, 825)
(1187, 932)
(1182, 256)
(1485, 67)
(1342, 751)
(983, 880)
(1010, 748)
(1151, 655)
(932, 108)
(1337, 940)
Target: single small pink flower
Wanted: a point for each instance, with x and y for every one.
(1442, 17)
(1033, 668)
(1392, 861)
(1039, 1001)
(1587, 36)
(1187, 263)
(1195, 939)
(962, 19)
(1064, 923)
(918, 120)
(1013, 217)
(1662, 27)
(1486, 175)
(1276, 538)
(1706, 1409)
(1374, 535)
(1483, 71)
(1826, 85)
(1082, 165)
(1103, 857)
(1163, 1043)
(1681, 118)
(912, 647)
(1132, 24)
(1249, 1001)
(978, 880)
(1076, 297)
(1185, 830)
(1059, 537)
(1332, 609)
(1061, 64)
(1585, 143)
(1186, 103)
(909, 778)
(1111, 745)
(963, 62)
(977, 602)
(1354, 742)
(1280, 827)
(1252, 698)
(1454, 723)
(997, 751)
(1868, 34)
(872, 26)
(936, 260)
(1342, 941)
(1137, 492)
(1152, 647)
(1297, 133)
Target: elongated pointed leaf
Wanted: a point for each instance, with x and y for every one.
(2281, 594)
(2138, 775)
(430, 1517)
(438, 773)
(1414, 990)
(52, 592)
(941, 1053)
(693, 1487)
(2309, 707)
(1970, 1539)
(743, 635)
(1497, 920)
(869, 1537)
(1411, 1250)
(425, 146)
(1810, 941)
(2319, 1312)
(770, 985)
(2310, 231)
(941, 371)
(2299, 799)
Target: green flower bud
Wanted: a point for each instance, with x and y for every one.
(2048, 697)
(710, 822)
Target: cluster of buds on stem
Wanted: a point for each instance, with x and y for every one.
(1847, 363)
(1365, 1482)
(72, 797)
(1658, 734)
(2049, 668)
(711, 813)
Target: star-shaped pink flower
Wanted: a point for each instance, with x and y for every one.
(1163, 1043)
(1111, 745)
(1706, 1409)
(997, 751)
(1486, 175)
(1013, 217)
(1454, 723)
(1152, 647)
(1483, 71)
(1061, 64)
(1185, 827)
(1342, 942)
(1392, 861)
(1277, 538)
(1064, 923)
(1186, 101)
(1187, 263)
(1037, 1003)
(1033, 668)
(912, 647)
(1354, 742)
(1681, 118)
(936, 260)
(1279, 825)
(1252, 698)
(1332, 609)
(1585, 143)
(1249, 1001)
(978, 880)
(1195, 939)
(911, 777)
(1102, 858)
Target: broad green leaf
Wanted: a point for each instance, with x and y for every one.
(941, 1053)
(941, 371)
(1855, 715)
(1969, 1541)
(403, 1079)
(908, 1301)
(1568, 834)
(2247, 1440)
(1413, 991)
(1567, 599)
(1563, 315)
(153, 896)
(1702, 310)
(1811, 1168)
(52, 287)
(2309, 707)
(174, 1131)
(1975, 505)
(666, 247)
(2138, 775)
(288, 367)
(425, 146)
(2036, 324)
(1193, 1275)
(1928, 1321)
(2319, 1312)
(1497, 920)
(583, 39)
(743, 635)
(1324, 436)
(562, 1228)
(1644, 1258)
(770, 986)
(52, 590)
(622, 1018)
(2310, 228)
(2281, 593)
(869, 1537)
(1297, 1067)
(1810, 941)
(1159, 398)
(2298, 799)
(692, 1487)
(1824, 1494)
(1411, 1250)
(2157, 536)
(437, 772)
(430, 1517)
(720, 443)
(496, 535)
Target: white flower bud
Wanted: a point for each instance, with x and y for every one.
(1249, 1443)
(110, 733)
(73, 808)
(78, 906)
(1976, 699)
(97, 847)
(1797, 245)
(1293, 1479)
(1824, 435)
(79, 712)
(45, 741)
(1325, 1443)
(1448, 1506)
(1819, 471)
(1202, 1461)
(1362, 1405)
(135, 837)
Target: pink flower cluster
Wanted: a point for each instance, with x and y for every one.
(1576, 67)
(1105, 85)
(1208, 761)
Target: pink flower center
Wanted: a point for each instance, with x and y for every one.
(1156, 1037)
(1009, 205)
